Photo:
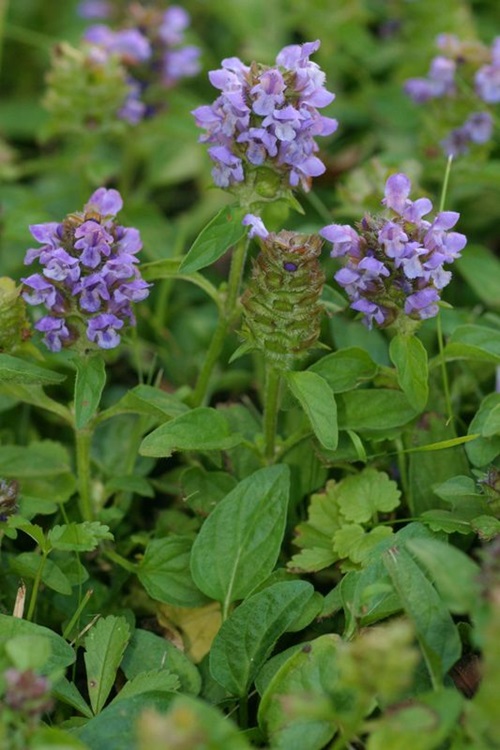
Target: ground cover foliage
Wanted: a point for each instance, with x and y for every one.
(249, 375)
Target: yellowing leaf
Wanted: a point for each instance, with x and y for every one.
(198, 626)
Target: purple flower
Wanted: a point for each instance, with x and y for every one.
(89, 275)
(394, 266)
(103, 330)
(56, 332)
(267, 115)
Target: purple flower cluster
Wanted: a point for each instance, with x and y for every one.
(152, 51)
(395, 265)
(267, 116)
(441, 81)
(89, 275)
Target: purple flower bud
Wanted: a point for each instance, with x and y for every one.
(257, 228)
(105, 202)
(488, 83)
(397, 190)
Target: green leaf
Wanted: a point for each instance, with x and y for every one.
(379, 409)
(35, 395)
(481, 269)
(486, 527)
(238, 545)
(67, 692)
(474, 342)
(38, 459)
(345, 369)
(248, 636)
(445, 520)
(454, 574)
(61, 653)
(485, 449)
(115, 727)
(317, 399)
(436, 631)
(310, 672)
(28, 651)
(491, 424)
(223, 231)
(51, 738)
(80, 537)
(361, 496)
(148, 652)
(169, 268)
(201, 429)
(356, 544)
(155, 679)
(164, 572)
(105, 645)
(15, 370)
(89, 385)
(409, 356)
(27, 565)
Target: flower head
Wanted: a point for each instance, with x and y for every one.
(393, 265)
(282, 311)
(89, 275)
(267, 115)
(152, 50)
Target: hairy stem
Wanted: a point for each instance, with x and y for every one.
(271, 407)
(83, 439)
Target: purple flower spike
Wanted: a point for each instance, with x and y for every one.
(267, 116)
(89, 275)
(394, 266)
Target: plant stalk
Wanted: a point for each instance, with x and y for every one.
(83, 439)
(225, 319)
(271, 407)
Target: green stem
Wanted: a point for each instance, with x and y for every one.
(120, 560)
(225, 319)
(83, 439)
(446, 181)
(444, 371)
(271, 406)
(36, 586)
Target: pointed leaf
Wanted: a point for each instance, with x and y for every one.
(15, 370)
(410, 359)
(317, 399)
(81, 537)
(164, 572)
(436, 631)
(105, 645)
(202, 429)
(238, 545)
(248, 636)
(223, 231)
(89, 385)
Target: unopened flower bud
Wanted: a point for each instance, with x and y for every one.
(282, 311)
